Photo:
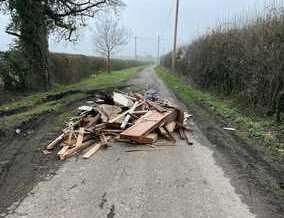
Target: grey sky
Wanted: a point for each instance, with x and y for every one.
(148, 18)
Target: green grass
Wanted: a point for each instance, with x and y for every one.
(37, 104)
(103, 80)
(262, 131)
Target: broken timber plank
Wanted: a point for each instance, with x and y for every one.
(120, 116)
(58, 140)
(96, 147)
(93, 120)
(156, 106)
(181, 133)
(73, 151)
(187, 137)
(93, 150)
(128, 116)
(80, 137)
(62, 152)
(139, 112)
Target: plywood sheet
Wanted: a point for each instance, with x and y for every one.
(145, 125)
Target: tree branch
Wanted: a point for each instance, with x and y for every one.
(13, 33)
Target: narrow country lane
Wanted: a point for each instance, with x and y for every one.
(181, 181)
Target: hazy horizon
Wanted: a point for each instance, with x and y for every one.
(195, 19)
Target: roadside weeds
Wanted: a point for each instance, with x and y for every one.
(14, 115)
(263, 131)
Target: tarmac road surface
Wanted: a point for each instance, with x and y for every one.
(174, 181)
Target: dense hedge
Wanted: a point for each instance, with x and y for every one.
(245, 61)
(65, 68)
(68, 68)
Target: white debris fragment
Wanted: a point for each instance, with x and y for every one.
(229, 129)
(122, 100)
(18, 131)
(85, 108)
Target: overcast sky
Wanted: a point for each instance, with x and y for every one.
(148, 18)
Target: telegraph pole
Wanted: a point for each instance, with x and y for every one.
(158, 53)
(135, 47)
(175, 37)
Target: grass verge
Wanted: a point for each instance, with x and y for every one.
(259, 130)
(55, 99)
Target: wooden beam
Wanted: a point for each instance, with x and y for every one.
(57, 141)
(128, 116)
(96, 147)
(123, 114)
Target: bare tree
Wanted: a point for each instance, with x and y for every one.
(110, 36)
(33, 20)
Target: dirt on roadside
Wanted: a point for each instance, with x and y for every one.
(22, 161)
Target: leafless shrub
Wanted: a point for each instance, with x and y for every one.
(244, 57)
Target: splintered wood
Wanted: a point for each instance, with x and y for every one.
(129, 118)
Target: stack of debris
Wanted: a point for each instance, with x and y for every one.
(131, 117)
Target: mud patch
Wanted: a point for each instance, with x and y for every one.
(22, 162)
(24, 165)
(255, 175)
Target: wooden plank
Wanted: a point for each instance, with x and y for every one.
(57, 141)
(93, 150)
(80, 137)
(96, 148)
(139, 112)
(110, 111)
(120, 116)
(62, 151)
(93, 120)
(153, 137)
(181, 133)
(104, 116)
(163, 132)
(187, 137)
(171, 137)
(70, 137)
(145, 125)
(156, 106)
(75, 150)
(180, 117)
(112, 131)
(171, 126)
(128, 116)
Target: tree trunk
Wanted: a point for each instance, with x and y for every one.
(108, 63)
(34, 41)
